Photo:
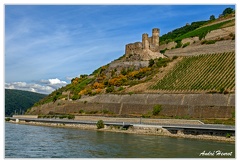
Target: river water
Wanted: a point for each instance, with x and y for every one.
(27, 141)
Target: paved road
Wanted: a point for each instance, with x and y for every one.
(177, 126)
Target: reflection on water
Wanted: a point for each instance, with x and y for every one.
(25, 141)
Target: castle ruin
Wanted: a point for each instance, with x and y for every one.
(147, 49)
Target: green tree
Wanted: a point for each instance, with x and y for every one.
(150, 63)
(227, 11)
(100, 124)
(212, 17)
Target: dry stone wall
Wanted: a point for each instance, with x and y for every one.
(197, 49)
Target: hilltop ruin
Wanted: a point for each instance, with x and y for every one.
(147, 49)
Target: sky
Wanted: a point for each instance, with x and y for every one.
(45, 46)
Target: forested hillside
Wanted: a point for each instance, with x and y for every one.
(18, 101)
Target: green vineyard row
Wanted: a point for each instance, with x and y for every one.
(204, 73)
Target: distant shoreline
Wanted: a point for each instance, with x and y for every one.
(146, 130)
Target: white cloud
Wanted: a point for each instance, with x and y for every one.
(42, 86)
(56, 81)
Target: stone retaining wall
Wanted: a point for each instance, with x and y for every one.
(173, 105)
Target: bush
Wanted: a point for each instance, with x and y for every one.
(71, 116)
(150, 63)
(7, 119)
(81, 111)
(100, 124)
(179, 43)
(203, 34)
(163, 51)
(162, 62)
(105, 111)
(156, 109)
(208, 42)
(62, 116)
(120, 88)
(76, 97)
(186, 44)
(228, 135)
(110, 89)
(221, 90)
(92, 112)
(174, 57)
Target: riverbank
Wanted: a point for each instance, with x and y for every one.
(136, 129)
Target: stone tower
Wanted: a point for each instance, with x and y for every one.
(155, 37)
(145, 50)
(145, 43)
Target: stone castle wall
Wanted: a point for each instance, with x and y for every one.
(147, 49)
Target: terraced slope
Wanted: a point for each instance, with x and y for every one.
(202, 73)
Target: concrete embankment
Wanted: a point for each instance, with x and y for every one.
(173, 105)
(213, 132)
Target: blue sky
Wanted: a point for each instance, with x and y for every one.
(47, 45)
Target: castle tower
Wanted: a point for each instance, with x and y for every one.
(145, 42)
(155, 37)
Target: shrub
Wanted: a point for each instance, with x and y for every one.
(163, 51)
(76, 96)
(203, 34)
(120, 88)
(93, 112)
(156, 109)
(110, 89)
(81, 111)
(233, 114)
(221, 90)
(232, 35)
(228, 135)
(174, 57)
(162, 62)
(124, 71)
(150, 63)
(130, 93)
(71, 116)
(186, 44)
(62, 116)
(7, 119)
(100, 124)
(208, 42)
(179, 44)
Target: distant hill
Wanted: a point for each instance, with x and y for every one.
(19, 101)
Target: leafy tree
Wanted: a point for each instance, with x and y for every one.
(150, 63)
(227, 11)
(180, 31)
(212, 17)
(100, 124)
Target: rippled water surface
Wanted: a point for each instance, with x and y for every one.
(26, 141)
